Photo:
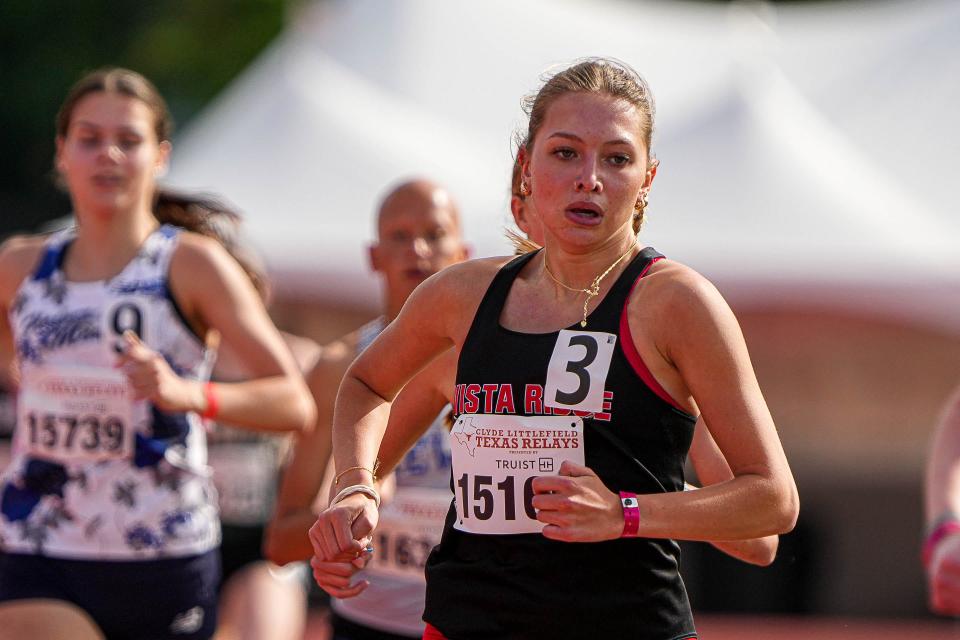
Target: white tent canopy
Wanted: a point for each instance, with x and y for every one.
(782, 134)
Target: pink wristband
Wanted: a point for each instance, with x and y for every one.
(631, 514)
(936, 536)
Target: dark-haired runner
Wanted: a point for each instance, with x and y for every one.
(107, 503)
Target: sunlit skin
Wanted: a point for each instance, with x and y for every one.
(942, 494)
(524, 214)
(108, 160)
(707, 459)
(585, 173)
(418, 234)
(110, 156)
(585, 170)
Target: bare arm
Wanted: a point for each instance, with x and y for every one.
(712, 468)
(436, 316)
(415, 409)
(285, 539)
(942, 493)
(19, 256)
(943, 467)
(699, 336)
(690, 340)
(214, 293)
(7, 352)
(412, 413)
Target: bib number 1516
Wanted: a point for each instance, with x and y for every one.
(481, 498)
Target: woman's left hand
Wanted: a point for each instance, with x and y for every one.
(335, 576)
(576, 506)
(151, 378)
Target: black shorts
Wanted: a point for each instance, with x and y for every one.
(344, 629)
(239, 547)
(173, 599)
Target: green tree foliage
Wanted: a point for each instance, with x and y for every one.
(190, 49)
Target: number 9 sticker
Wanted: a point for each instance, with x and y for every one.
(577, 373)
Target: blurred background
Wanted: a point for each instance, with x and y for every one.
(806, 156)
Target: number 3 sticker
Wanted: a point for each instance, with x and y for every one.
(577, 373)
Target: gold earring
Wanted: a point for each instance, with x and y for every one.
(524, 191)
(642, 202)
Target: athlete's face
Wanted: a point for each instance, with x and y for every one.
(419, 235)
(110, 155)
(587, 168)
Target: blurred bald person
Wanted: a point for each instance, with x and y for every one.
(418, 234)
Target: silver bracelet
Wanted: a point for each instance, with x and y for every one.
(366, 490)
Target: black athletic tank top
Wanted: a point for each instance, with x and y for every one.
(525, 585)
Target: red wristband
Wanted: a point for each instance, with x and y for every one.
(631, 514)
(936, 536)
(213, 405)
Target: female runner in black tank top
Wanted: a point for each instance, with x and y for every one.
(565, 401)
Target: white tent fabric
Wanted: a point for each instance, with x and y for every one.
(801, 146)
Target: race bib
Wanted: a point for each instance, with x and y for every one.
(71, 413)
(577, 373)
(496, 458)
(409, 528)
(245, 476)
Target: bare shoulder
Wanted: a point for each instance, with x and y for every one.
(206, 281)
(19, 256)
(460, 286)
(470, 278)
(681, 312)
(445, 303)
(676, 290)
(197, 254)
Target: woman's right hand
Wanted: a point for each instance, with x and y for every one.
(342, 535)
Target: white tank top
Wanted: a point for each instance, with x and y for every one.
(94, 473)
(410, 526)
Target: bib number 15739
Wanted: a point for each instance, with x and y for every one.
(75, 413)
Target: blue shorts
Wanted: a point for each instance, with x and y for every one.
(173, 599)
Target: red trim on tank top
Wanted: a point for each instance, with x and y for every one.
(633, 356)
(431, 633)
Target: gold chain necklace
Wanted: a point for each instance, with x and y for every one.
(594, 289)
